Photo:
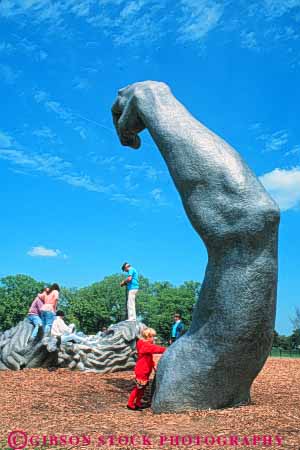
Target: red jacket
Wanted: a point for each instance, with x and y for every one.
(145, 363)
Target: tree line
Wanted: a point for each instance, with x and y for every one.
(104, 302)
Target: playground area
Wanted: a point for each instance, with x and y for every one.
(65, 409)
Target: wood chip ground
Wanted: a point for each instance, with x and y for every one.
(69, 403)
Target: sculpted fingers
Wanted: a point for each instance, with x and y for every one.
(126, 121)
(116, 112)
(129, 126)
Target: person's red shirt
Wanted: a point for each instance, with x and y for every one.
(145, 362)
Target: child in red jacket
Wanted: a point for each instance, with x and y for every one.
(144, 365)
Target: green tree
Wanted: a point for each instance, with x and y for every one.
(284, 342)
(295, 339)
(276, 339)
(97, 305)
(16, 294)
(163, 300)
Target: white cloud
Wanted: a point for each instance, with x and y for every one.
(5, 140)
(124, 23)
(277, 8)
(137, 22)
(38, 11)
(198, 18)
(152, 173)
(82, 83)
(64, 114)
(23, 45)
(123, 198)
(130, 9)
(294, 151)
(40, 250)
(259, 24)
(57, 168)
(284, 186)
(148, 171)
(18, 157)
(58, 109)
(249, 40)
(45, 133)
(274, 141)
(130, 185)
(6, 47)
(27, 45)
(286, 34)
(82, 132)
(158, 197)
(85, 182)
(135, 172)
(81, 8)
(107, 161)
(54, 167)
(255, 126)
(156, 194)
(8, 74)
(43, 55)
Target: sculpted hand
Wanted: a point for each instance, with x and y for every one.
(127, 110)
(125, 116)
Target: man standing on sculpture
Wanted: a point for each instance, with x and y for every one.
(132, 285)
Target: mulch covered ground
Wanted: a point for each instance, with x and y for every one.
(70, 405)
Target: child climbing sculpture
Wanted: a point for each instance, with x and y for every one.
(214, 364)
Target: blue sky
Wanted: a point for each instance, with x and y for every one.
(75, 204)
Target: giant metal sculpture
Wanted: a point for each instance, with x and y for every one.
(214, 364)
(111, 351)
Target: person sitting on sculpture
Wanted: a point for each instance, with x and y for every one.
(34, 313)
(103, 330)
(177, 329)
(132, 286)
(62, 331)
(145, 364)
(49, 307)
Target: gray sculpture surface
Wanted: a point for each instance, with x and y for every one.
(111, 351)
(214, 364)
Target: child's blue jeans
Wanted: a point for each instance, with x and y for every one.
(36, 322)
(47, 319)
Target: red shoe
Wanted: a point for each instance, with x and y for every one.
(132, 408)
